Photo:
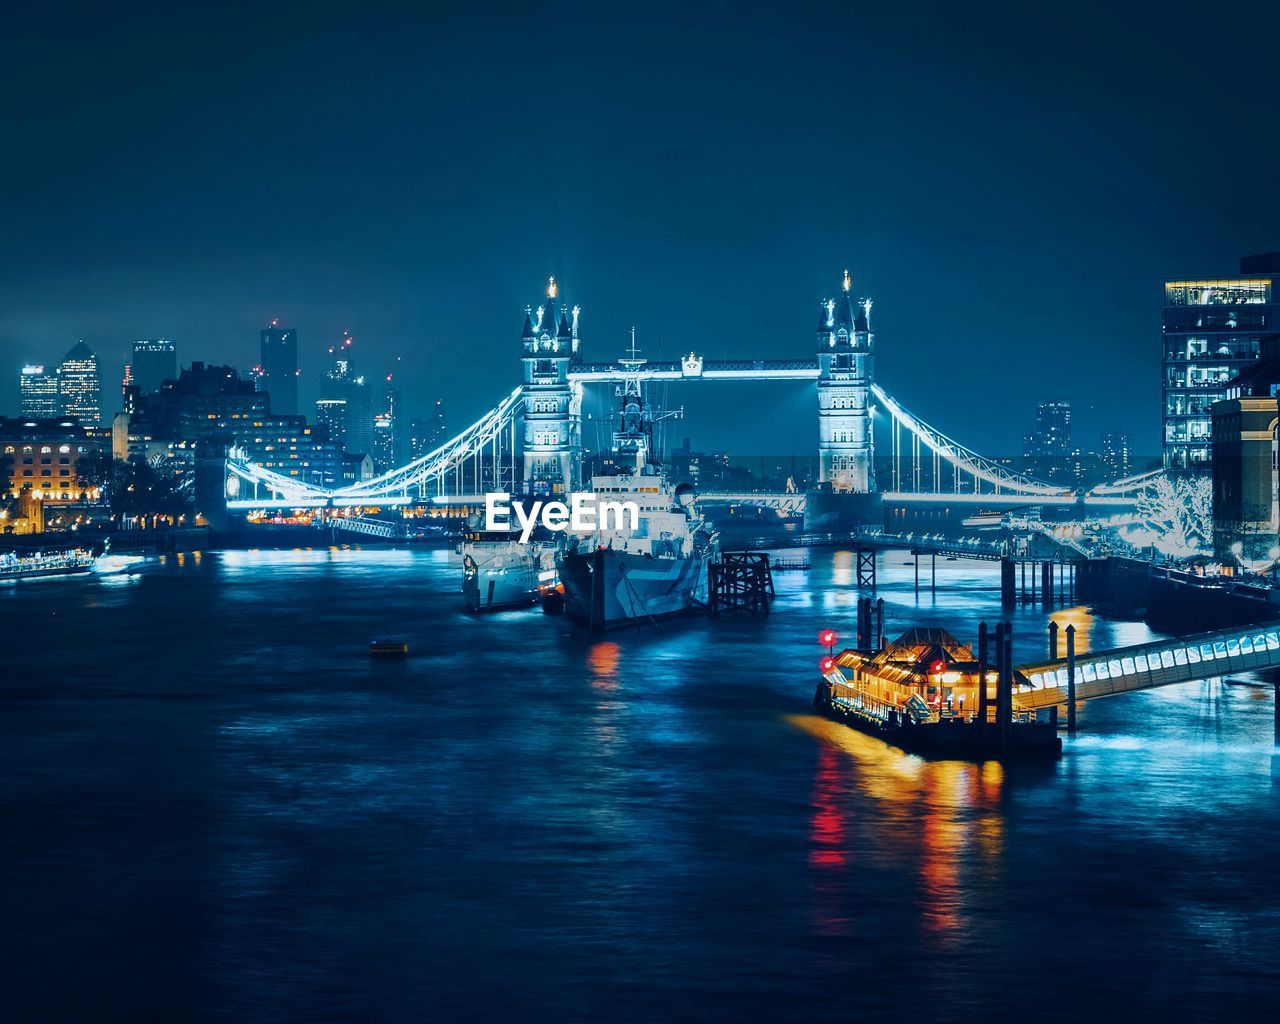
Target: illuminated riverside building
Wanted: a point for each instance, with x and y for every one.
(79, 386)
(44, 453)
(1211, 331)
(37, 393)
(155, 360)
(1246, 462)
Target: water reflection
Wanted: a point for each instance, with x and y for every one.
(651, 812)
(941, 820)
(602, 659)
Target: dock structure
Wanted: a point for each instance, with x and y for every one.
(929, 693)
(741, 581)
(1039, 570)
(1058, 682)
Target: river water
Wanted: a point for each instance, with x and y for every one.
(217, 807)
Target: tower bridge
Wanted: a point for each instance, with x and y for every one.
(531, 441)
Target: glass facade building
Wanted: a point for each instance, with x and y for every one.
(38, 393)
(1212, 329)
(79, 386)
(278, 368)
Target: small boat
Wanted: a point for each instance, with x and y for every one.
(388, 648)
(110, 565)
(45, 563)
(983, 519)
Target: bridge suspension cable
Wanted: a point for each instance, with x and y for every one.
(1129, 485)
(960, 458)
(483, 455)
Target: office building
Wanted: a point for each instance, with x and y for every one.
(1246, 480)
(37, 393)
(388, 448)
(1047, 451)
(80, 386)
(426, 435)
(1052, 437)
(288, 445)
(155, 360)
(202, 403)
(277, 372)
(1116, 455)
(1212, 328)
(345, 406)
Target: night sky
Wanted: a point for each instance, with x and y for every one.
(1010, 185)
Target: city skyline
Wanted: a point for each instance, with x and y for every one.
(1014, 212)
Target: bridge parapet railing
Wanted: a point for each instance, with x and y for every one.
(1203, 656)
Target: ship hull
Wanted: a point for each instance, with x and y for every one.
(514, 587)
(604, 589)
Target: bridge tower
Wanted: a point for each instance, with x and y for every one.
(846, 365)
(551, 425)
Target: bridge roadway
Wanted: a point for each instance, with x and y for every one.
(1159, 663)
(697, 368)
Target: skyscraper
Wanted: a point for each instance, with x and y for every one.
(278, 368)
(1052, 437)
(155, 360)
(1116, 455)
(1211, 332)
(388, 426)
(346, 402)
(38, 393)
(426, 435)
(79, 386)
(1046, 451)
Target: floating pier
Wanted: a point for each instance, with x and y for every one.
(931, 694)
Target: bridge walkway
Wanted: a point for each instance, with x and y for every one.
(1159, 663)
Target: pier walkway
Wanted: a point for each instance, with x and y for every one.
(1159, 663)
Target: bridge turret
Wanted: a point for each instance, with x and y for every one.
(846, 371)
(550, 346)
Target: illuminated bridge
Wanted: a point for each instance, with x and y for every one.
(531, 440)
(1159, 663)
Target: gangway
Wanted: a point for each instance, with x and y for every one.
(369, 527)
(1143, 666)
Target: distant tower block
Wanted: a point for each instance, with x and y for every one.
(551, 442)
(846, 371)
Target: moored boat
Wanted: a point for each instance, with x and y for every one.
(14, 566)
(499, 572)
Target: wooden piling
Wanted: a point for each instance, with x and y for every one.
(1008, 583)
(982, 673)
(1071, 680)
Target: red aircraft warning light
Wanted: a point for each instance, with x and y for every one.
(826, 665)
(828, 638)
(937, 667)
